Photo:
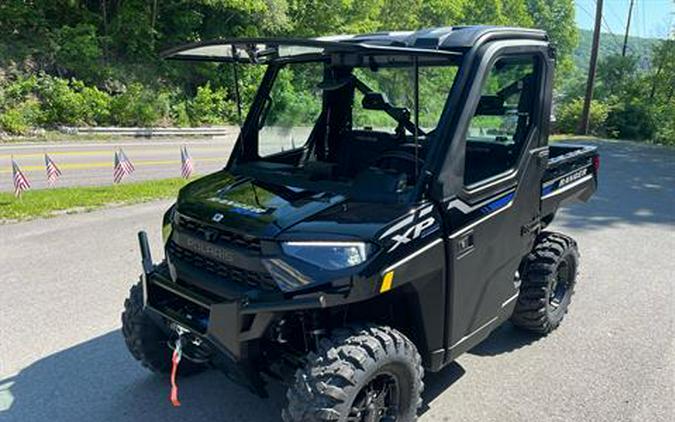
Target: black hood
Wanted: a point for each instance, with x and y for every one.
(249, 206)
(264, 210)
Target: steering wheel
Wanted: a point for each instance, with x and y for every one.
(400, 161)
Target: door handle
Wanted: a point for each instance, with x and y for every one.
(465, 244)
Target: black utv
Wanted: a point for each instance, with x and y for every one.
(383, 210)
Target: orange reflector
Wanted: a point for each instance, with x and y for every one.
(386, 282)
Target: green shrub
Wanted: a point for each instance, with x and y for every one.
(19, 119)
(96, 105)
(631, 121)
(139, 106)
(179, 113)
(13, 121)
(17, 90)
(665, 125)
(211, 106)
(568, 115)
(62, 104)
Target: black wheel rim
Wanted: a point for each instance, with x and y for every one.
(377, 401)
(561, 284)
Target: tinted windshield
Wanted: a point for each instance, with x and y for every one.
(352, 127)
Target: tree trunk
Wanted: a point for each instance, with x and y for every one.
(154, 14)
(104, 14)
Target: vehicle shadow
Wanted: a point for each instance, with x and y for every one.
(506, 338)
(636, 186)
(99, 381)
(435, 383)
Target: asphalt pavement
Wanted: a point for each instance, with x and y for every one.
(64, 279)
(90, 162)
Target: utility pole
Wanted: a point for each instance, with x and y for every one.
(583, 123)
(625, 37)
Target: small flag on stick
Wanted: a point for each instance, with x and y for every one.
(122, 167)
(53, 171)
(126, 161)
(186, 167)
(20, 181)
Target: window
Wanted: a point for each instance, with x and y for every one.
(498, 130)
(292, 107)
(396, 84)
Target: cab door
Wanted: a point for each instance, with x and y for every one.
(493, 220)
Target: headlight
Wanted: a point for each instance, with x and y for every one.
(329, 255)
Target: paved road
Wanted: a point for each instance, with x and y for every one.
(91, 162)
(64, 280)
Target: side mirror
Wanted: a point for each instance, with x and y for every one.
(374, 101)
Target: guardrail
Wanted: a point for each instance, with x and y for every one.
(149, 132)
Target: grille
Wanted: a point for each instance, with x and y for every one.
(259, 280)
(229, 238)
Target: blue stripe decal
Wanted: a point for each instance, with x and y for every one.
(546, 190)
(498, 203)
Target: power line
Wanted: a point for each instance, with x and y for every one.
(640, 13)
(644, 21)
(585, 10)
(614, 13)
(616, 43)
(609, 29)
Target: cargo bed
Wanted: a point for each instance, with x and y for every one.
(571, 175)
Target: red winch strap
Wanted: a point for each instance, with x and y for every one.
(175, 359)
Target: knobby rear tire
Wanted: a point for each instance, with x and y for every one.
(539, 309)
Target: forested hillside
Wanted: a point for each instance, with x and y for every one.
(612, 44)
(96, 62)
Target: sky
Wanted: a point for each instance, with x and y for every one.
(651, 18)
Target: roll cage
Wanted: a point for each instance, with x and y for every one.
(466, 45)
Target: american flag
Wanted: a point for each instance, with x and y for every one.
(20, 181)
(123, 166)
(186, 167)
(53, 172)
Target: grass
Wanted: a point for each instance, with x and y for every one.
(570, 137)
(49, 202)
(57, 136)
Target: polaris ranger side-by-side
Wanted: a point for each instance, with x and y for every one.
(383, 210)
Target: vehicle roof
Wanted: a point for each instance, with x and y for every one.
(437, 40)
(447, 37)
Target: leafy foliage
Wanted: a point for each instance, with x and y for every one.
(138, 106)
(569, 113)
(611, 45)
(71, 62)
(211, 106)
(78, 51)
(19, 119)
(639, 98)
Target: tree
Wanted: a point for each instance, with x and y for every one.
(557, 18)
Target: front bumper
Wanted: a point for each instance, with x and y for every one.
(229, 325)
